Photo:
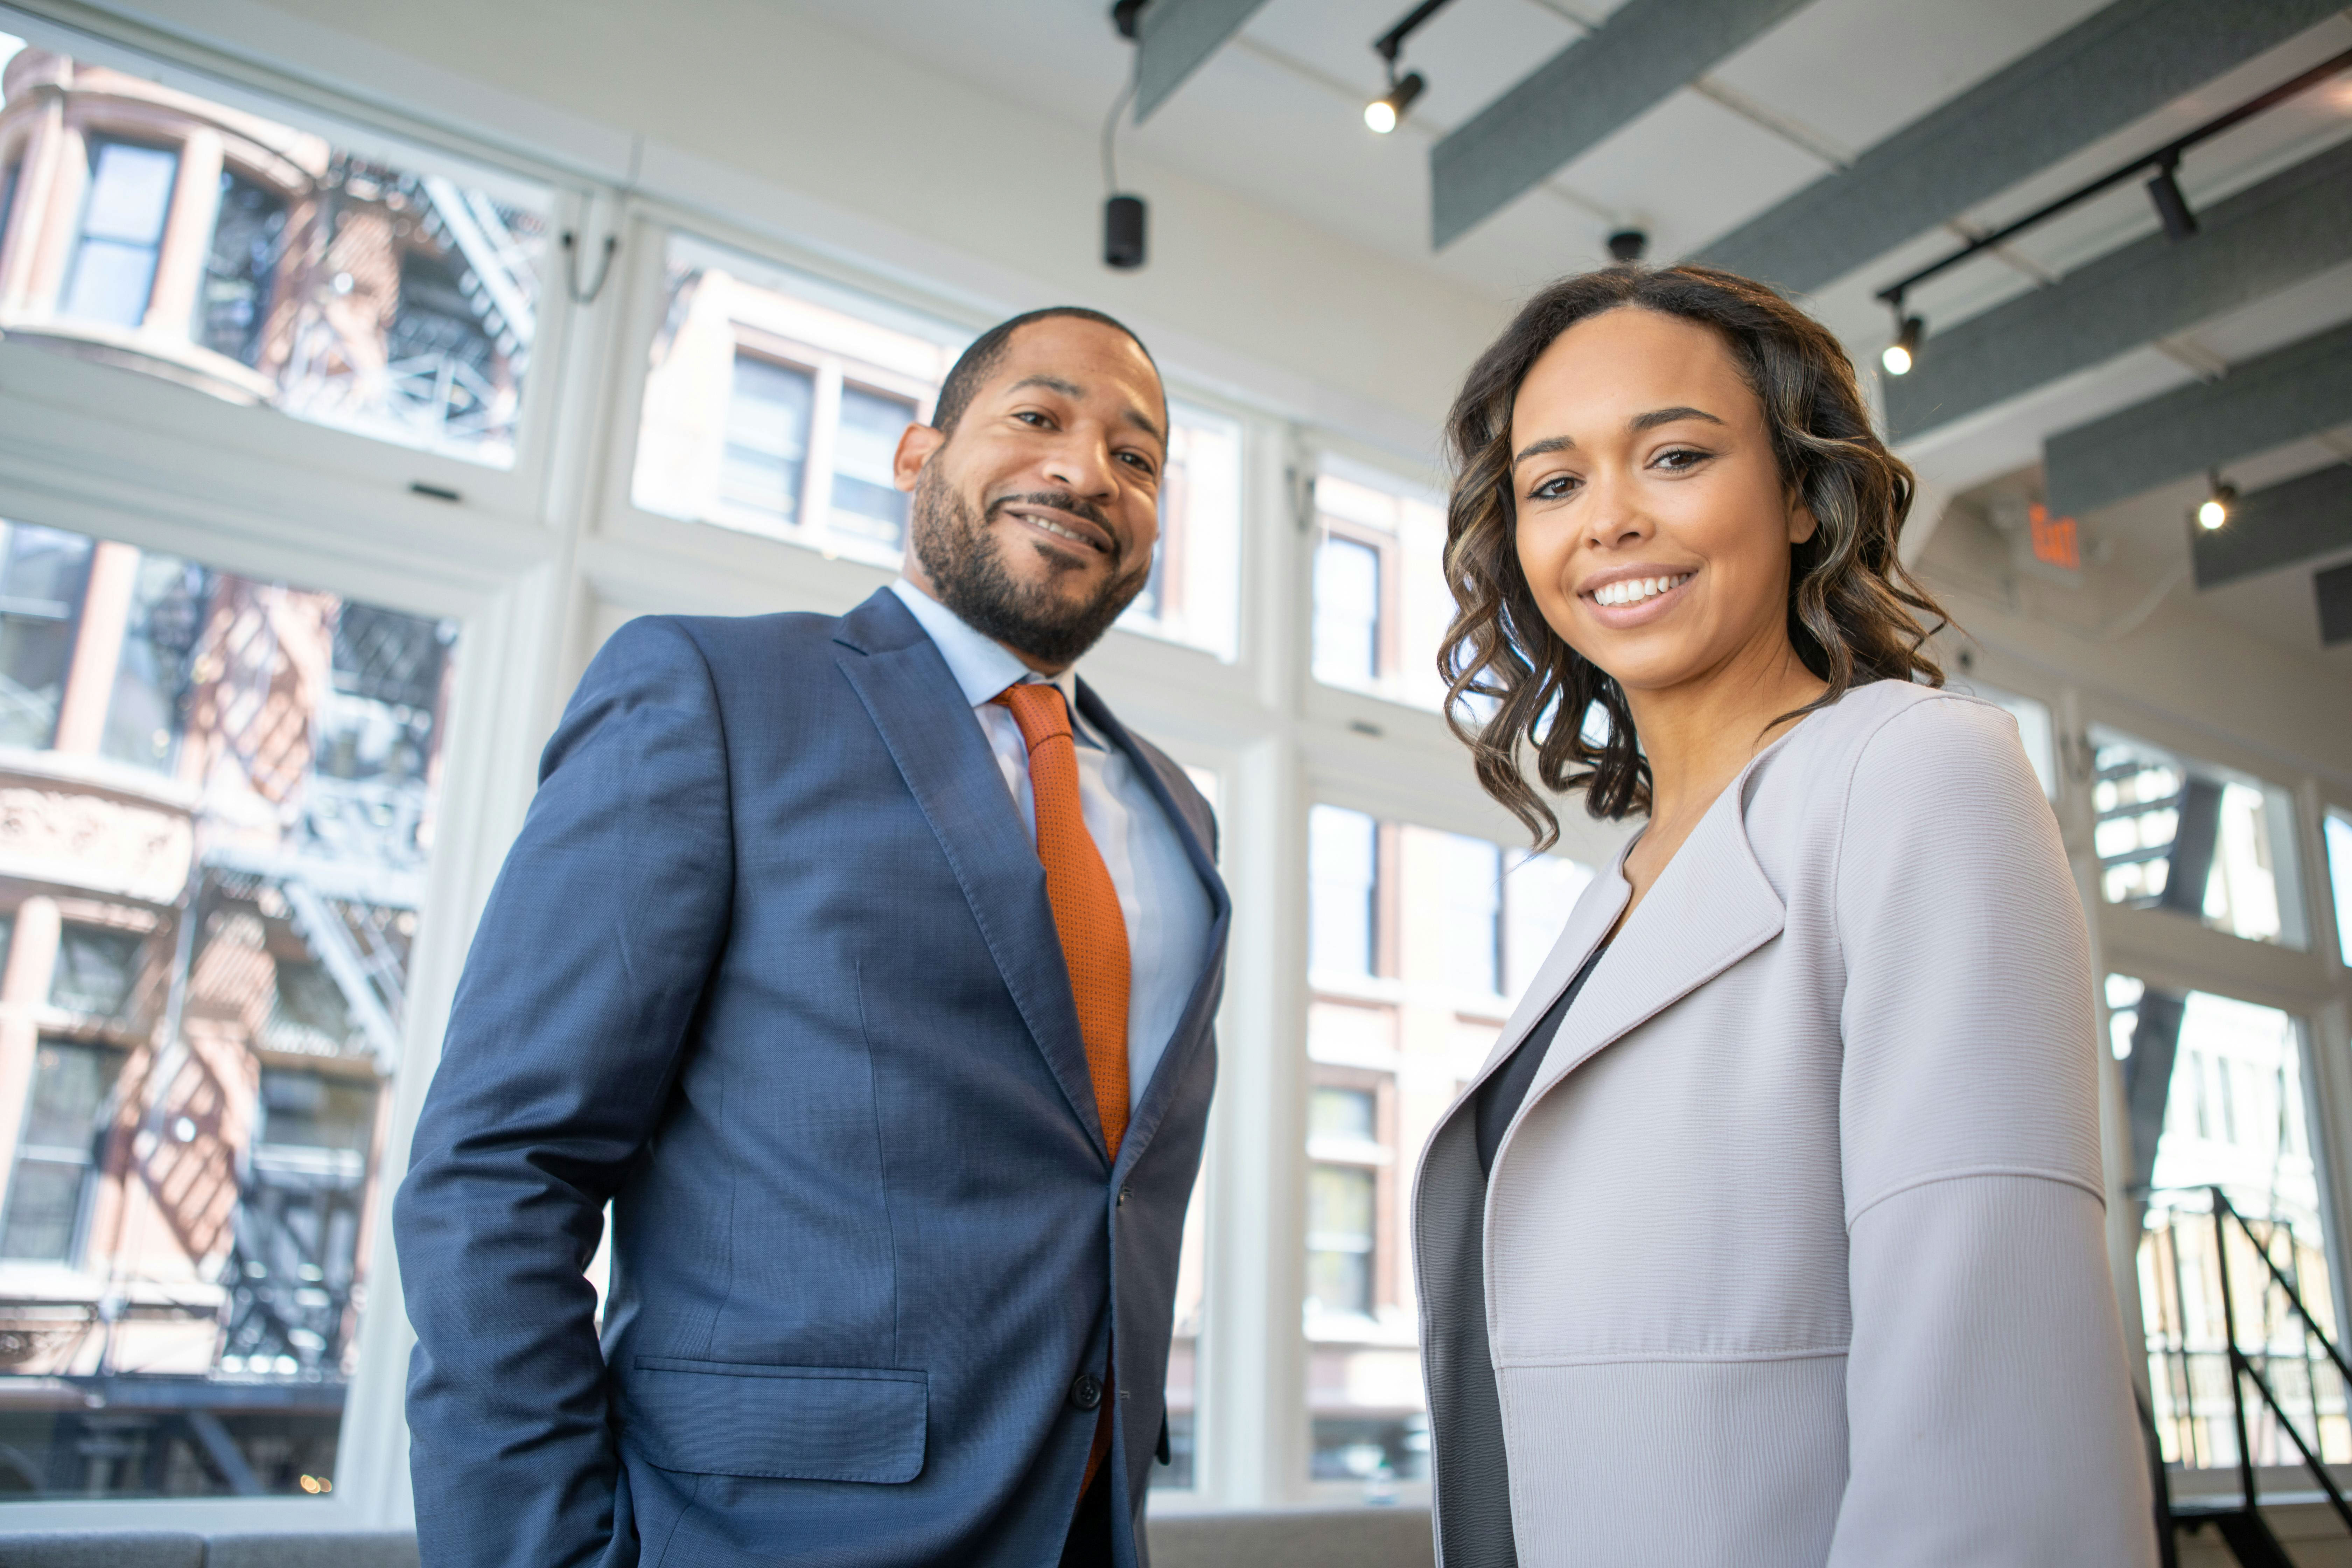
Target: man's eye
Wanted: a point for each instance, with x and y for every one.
(1031, 417)
(1136, 461)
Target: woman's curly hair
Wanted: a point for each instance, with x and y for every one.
(1855, 613)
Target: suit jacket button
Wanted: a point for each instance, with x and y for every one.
(1087, 1392)
(1123, 1192)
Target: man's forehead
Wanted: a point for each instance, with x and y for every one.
(1084, 359)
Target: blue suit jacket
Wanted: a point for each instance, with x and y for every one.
(771, 969)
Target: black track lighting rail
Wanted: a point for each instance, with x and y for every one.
(1390, 44)
(2164, 160)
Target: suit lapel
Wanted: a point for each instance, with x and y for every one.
(1192, 1027)
(898, 674)
(1709, 908)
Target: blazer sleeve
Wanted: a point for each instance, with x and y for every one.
(590, 961)
(1989, 1406)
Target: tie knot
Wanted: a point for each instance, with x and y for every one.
(1037, 707)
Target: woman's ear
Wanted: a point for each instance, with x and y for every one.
(1802, 524)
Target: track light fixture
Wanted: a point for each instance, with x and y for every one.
(2171, 206)
(1628, 243)
(1126, 216)
(1898, 355)
(1384, 114)
(2220, 496)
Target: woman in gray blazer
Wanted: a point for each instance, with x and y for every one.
(1772, 1232)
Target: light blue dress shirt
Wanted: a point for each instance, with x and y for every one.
(1160, 894)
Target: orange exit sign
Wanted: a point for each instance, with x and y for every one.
(2057, 542)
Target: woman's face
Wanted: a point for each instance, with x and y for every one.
(1652, 524)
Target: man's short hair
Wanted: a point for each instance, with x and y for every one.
(987, 352)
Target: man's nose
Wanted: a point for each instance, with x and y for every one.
(1081, 463)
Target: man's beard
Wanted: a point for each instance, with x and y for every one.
(966, 565)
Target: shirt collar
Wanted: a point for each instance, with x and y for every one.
(982, 666)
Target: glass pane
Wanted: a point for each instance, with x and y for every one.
(1347, 612)
(767, 437)
(1373, 634)
(1345, 1114)
(1390, 1051)
(362, 288)
(70, 1084)
(867, 502)
(231, 1196)
(168, 600)
(241, 273)
(41, 577)
(1194, 594)
(1342, 858)
(2195, 838)
(121, 228)
(720, 441)
(2230, 1114)
(2338, 831)
(55, 1149)
(96, 971)
(1182, 1471)
(1469, 905)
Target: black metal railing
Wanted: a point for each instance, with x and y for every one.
(2291, 1364)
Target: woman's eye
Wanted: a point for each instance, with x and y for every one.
(1679, 457)
(1553, 488)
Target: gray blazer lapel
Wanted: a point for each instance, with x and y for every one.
(1709, 908)
(898, 673)
(1193, 1027)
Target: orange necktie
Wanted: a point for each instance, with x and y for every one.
(1087, 918)
(1086, 902)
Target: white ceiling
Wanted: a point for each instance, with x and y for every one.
(1275, 115)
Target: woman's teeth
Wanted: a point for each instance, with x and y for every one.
(1634, 590)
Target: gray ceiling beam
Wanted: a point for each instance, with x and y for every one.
(2281, 396)
(1645, 51)
(2255, 244)
(2333, 587)
(2276, 527)
(1174, 38)
(2098, 76)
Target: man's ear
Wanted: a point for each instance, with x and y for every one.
(916, 445)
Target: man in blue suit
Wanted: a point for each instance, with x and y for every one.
(866, 967)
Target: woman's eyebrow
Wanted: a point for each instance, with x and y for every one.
(1657, 417)
(1538, 449)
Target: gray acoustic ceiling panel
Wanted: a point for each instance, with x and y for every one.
(2096, 77)
(2256, 243)
(2275, 527)
(2333, 587)
(2266, 402)
(1645, 51)
(1174, 38)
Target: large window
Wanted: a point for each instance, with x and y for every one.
(210, 883)
(2226, 1082)
(1415, 938)
(367, 288)
(1380, 602)
(2195, 838)
(775, 401)
(41, 576)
